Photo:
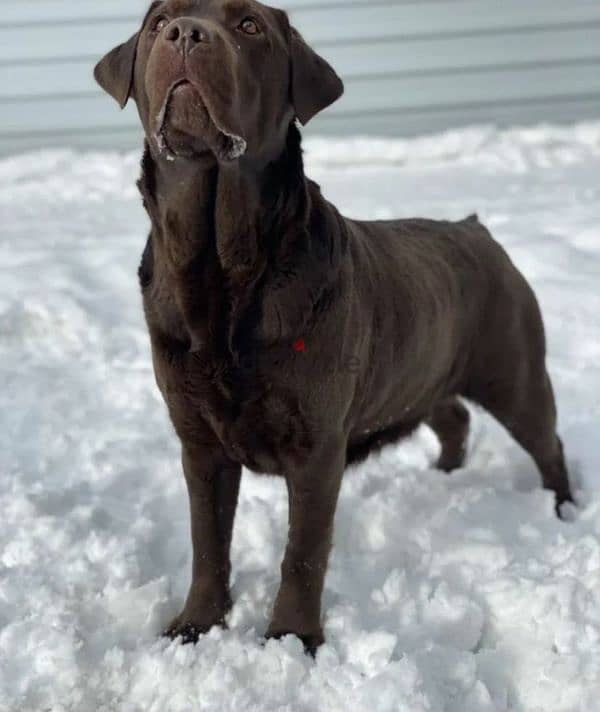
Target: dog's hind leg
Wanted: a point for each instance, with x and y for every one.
(527, 410)
(450, 422)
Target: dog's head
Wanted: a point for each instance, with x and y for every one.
(217, 79)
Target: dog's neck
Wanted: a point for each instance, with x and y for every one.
(222, 225)
(236, 209)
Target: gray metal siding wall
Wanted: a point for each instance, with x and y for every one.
(409, 67)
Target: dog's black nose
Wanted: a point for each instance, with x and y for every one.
(186, 33)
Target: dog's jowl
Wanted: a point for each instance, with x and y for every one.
(258, 295)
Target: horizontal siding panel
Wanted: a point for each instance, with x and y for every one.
(373, 94)
(51, 11)
(468, 87)
(92, 113)
(412, 123)
(444, 55)
(439, 18)
(358, 24)
(85, 39)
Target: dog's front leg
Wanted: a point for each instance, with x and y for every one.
(213, 485)
(312, 493)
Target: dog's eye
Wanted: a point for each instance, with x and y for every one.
(249, 26)
(159, 24)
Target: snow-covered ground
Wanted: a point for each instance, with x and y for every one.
(460, 594)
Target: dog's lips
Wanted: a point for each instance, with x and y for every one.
(186, 114)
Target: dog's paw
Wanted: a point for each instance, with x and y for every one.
(566, 510)
(311, 641)
(190, 630)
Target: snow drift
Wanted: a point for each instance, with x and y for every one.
(453, 594)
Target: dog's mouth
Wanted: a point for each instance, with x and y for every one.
(186, 128)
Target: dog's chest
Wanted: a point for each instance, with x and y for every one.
(257, 424)
(242, 401)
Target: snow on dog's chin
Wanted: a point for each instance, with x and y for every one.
(226, 147)
(235, 146)
(186, 129)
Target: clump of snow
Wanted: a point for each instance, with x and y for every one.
(453, 594)
(236, 147)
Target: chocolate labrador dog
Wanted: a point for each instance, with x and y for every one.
(285, 337)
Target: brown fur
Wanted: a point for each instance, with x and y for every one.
(286, 337)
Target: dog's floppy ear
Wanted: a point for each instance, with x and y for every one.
(314, 83)
(114, 72)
